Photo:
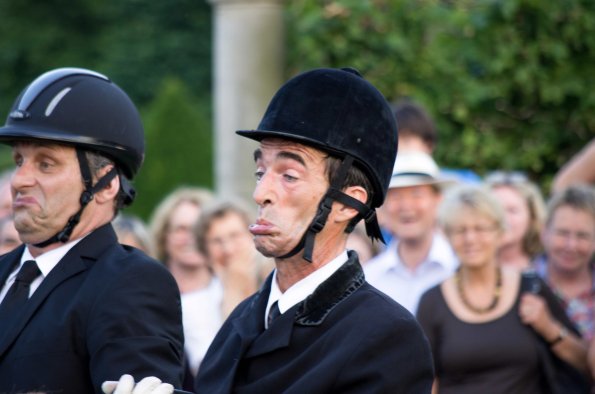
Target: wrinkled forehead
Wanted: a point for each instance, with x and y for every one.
(276, 148)
(567, 215)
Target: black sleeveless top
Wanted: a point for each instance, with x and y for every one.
(498, 356)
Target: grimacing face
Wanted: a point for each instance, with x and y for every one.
(46, 186)
(290, 181)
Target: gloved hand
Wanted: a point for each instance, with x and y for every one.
(126, 385)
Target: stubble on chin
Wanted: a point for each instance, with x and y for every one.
(30, 231)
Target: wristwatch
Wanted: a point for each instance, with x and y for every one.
(561, 335)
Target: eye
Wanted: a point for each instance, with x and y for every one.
(45, 165)
(289, 178)
(258, 175)
(18, 160)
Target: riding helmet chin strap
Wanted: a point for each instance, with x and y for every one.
(86, 197)
(324, 208)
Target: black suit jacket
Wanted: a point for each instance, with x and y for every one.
(347, 337)
(103, 311)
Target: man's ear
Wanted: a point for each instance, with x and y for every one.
(110, 191)
(345, 212)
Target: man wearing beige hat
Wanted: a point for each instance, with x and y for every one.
(419, 256)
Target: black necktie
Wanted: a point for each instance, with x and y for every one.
(274, 313)
(18, 294)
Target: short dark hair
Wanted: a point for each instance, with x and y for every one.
(215, 211)
(355, 177)
(413, 120)
(98, 161)
(578, 196)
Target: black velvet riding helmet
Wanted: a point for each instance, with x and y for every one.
(338, 112)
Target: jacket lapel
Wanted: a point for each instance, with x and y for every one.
(277, 336)
(250, 324)
(312, 311)
(78, 259)
(9, 262)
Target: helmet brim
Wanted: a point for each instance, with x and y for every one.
(259, 135)
(11, 134)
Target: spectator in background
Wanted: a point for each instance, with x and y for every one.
(171, 227)
(419, 256)
(417, 131)
(569, 243)
(580, 169)
(132, 231)
(524, 210)
(5, 196)
(222, 236)
(472, 320)
(9, 237)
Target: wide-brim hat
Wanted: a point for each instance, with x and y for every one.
(416, 168)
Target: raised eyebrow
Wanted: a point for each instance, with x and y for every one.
(282, 155)
(292, 156)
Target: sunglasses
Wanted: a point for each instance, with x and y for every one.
(506, 177)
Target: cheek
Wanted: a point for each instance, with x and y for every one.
(520, 219)
(171, 242)
(427, 209)
(216, 254)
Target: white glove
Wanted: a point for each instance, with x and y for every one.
(126, 385)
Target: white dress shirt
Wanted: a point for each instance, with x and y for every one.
(201, 319)
(46, 262)
(389, 274)
(303, 288)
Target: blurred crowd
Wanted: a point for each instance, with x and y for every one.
(475, 259)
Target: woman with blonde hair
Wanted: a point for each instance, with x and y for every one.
(171, 227)
(485, 326)
(524, 210)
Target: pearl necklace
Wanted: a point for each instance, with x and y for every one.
(495, 298)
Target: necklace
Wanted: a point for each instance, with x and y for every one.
(495, 297)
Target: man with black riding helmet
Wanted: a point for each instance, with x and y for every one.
(76, 307)
(327, 147)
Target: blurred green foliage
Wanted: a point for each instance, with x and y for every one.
(159, 52)
(509, 83)
(178, 152)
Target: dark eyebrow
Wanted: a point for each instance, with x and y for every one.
(292, 156)
(282, 155)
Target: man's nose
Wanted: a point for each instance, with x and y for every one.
(22, 176)
(263, 191)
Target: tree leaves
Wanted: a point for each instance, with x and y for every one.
(509, 82)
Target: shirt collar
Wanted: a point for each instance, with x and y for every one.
(48, 260)
(440, 253)
(303, 288)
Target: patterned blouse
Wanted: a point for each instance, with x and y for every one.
(581, 309)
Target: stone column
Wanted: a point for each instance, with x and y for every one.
(248, 70)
